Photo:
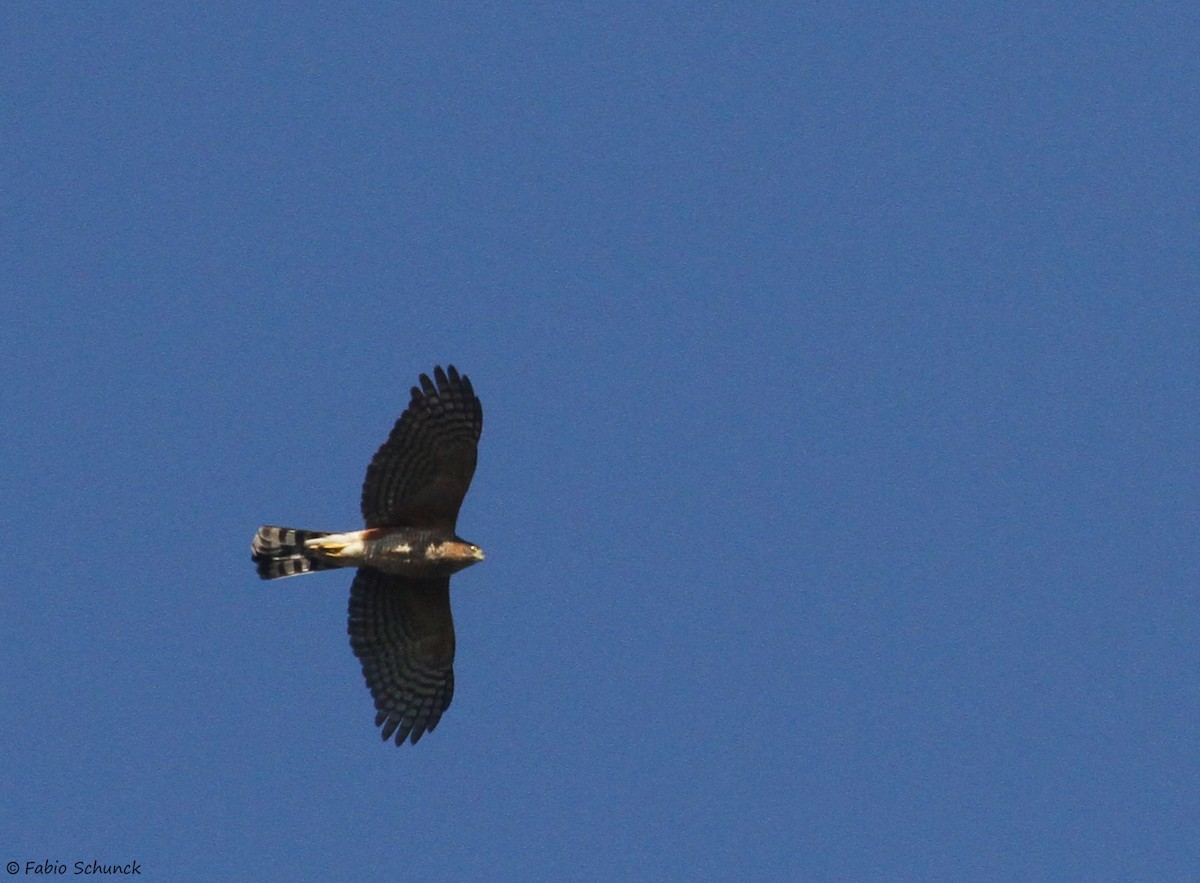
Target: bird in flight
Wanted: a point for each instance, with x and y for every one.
(400, 624)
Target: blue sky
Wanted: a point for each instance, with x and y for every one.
(839, 473)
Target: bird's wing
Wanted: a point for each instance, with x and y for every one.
(402, 633)
(418, 478)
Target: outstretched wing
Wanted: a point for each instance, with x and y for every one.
(418, 478)
(402, 633)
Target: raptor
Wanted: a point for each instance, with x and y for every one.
(400, 627)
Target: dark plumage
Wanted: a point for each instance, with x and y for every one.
(400, 624)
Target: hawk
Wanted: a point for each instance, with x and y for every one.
(400, 624)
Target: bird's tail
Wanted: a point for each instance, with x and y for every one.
(279, 551)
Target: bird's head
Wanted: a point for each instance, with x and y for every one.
(458, 553)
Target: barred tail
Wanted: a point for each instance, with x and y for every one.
(279, 551)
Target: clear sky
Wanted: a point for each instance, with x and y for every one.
(839, 475)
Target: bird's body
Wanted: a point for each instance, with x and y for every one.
(404, 551)
(400, 627)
